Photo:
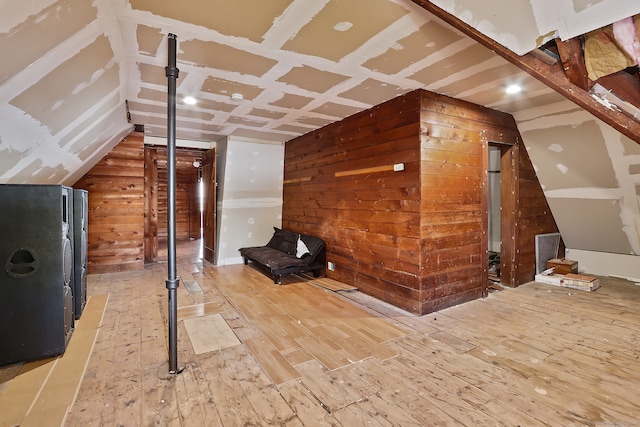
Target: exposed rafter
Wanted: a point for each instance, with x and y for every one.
(552, 75)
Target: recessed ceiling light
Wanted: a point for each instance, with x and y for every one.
(190, 100)
(237, 97)
(513, 89)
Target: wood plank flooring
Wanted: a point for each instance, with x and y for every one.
(309, 356)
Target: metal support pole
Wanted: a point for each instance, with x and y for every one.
(172, 281)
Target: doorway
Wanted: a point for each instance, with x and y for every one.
(494, 220)
(188, 203)
(501, 198)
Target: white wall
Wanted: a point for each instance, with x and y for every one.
(249, 195)
(590, 174)
(606, 264)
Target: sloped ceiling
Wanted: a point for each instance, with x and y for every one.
(523, 25)
(78, 74)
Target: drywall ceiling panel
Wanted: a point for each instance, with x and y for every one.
(11, 156)
(289, 100)
(336, 110)
(241, 18)
(78, 141)
(462, 61)
(343, 26)
(246, 121)
(312, 79)
(373, 92)
(31, 39)
(296, 129)
(156, 75)
(149, 39)
(511, 23)
(43, 173)
(524, 100)
(226, 87)
(183, 112)
(427, 40)
(523, 25)
(495, 75)
(316, 122)
(72, 88)
(571, 18)
(223, 57)
(263, 136)
(269, 114)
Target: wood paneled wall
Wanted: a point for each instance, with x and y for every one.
(416, 238)
(534, 217)
(454, 223)
(187, 208)
(127, 216)
(116, 208)
(340, 186)
(187, 198)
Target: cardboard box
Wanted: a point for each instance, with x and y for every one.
(563, 266)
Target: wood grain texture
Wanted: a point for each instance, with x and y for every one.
(43, 390)
(209, 333)
(116, 208)
(414, 238)
(536, 355)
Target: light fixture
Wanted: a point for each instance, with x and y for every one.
(190, 100)
(237, 97)
(196, 163)
(511, 89)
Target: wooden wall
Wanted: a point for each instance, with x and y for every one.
(123, 227)
(416, 238)
(187, 198)
(116, 208)
(340, 186)
(534, 217)
(187, 208)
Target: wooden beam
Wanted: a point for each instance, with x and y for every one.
(551, 75)
(297, 180)
(572, 57)
(374, 169)
(624, 86)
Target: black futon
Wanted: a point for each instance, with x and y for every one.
(287, 253)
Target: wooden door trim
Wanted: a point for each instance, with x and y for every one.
(150, 204)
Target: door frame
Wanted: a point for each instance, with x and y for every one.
(509, 196)
(209, 215)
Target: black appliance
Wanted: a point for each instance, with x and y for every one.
(36, 264)
(80, 246)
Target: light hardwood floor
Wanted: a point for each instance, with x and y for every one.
(307, 355)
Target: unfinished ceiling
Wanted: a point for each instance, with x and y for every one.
(79, 74)
(523, 25)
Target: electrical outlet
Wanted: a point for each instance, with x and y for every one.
(331, 266)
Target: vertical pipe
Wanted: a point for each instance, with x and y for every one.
(172, 281)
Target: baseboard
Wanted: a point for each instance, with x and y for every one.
(234, 260)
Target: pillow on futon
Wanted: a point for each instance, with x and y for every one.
(301, 249)
(284, 241)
